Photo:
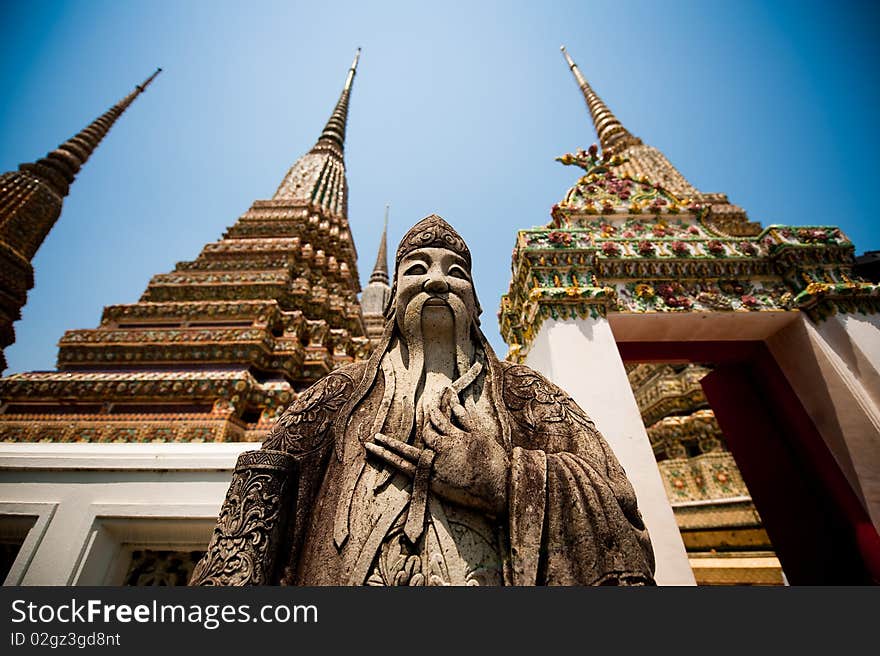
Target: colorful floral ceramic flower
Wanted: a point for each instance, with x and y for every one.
(560, 238)
(715, 247)
(679, 248)
(645, 291)
(610, 249)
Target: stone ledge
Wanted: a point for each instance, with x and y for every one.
(138, 457)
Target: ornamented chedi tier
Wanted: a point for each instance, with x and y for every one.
(30, 204)
(632, 235)
(216, 349)
(719, 524)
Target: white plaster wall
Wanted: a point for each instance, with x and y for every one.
(856, 339)
(832, 369)
(89, 501)
(581, 357)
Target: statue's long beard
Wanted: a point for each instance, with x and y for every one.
(413, 336)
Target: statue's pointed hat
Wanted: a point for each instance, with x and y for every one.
(433, 232)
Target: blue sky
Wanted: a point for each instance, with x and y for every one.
(459, 108)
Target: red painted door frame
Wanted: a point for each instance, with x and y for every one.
(820, 530)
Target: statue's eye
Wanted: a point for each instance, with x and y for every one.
(458, 272)
(417, 269)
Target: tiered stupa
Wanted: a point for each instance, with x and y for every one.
(30, 204)
(633, 235)
(214, 350)
(636, 260)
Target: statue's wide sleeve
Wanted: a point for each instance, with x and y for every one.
(248, 531)
(574, 519)
(262, 517)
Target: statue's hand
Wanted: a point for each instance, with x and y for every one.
(469, 467)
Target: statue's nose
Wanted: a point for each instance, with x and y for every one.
(436, 285)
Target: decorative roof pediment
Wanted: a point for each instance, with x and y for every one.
(602, 190)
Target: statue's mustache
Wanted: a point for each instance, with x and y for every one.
(417, 302)
(411, 324)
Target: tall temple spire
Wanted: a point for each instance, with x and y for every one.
(318, 177)
(60, 167)
(30, 204)
(380, 270)
(377, 293)
(642, 160)
(334, 131)
(612, 134)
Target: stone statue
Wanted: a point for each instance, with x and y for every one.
(433, 463)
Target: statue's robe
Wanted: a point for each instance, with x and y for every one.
(312, 508)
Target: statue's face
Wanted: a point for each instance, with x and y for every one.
(436, 276)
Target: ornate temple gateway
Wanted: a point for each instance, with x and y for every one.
(638, 266)
(216, 348)
(720, 526)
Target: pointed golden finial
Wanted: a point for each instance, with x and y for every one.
(612, 135)
(351, 71)
(574, 68)
(334, 131)
(146, 82)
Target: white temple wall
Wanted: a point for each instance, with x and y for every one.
(581, 357)
(88, 505)
(832, 368)
(856, 339)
